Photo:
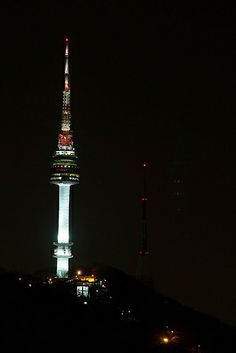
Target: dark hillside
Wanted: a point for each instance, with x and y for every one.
(38, 317)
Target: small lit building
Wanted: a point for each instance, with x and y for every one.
(91, 287)
(84, 284)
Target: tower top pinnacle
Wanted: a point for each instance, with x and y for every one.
(65, 140)
(66, 59)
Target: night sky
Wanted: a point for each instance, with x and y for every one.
(154, 83)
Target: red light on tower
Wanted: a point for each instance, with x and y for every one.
(144, 165)
(66, 39)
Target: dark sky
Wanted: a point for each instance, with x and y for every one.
(149, 82)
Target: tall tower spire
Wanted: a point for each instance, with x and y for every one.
(65, 141)
(64, 173)
(65, 121)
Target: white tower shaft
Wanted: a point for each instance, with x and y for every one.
(63, 246)
(63, 216)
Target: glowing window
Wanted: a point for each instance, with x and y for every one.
(82, 291)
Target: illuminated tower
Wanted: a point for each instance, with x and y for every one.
(64, 173)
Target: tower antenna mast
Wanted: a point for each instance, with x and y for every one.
(143, 250)
(143, 265)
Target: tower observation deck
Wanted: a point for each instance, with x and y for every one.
(64, 172)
